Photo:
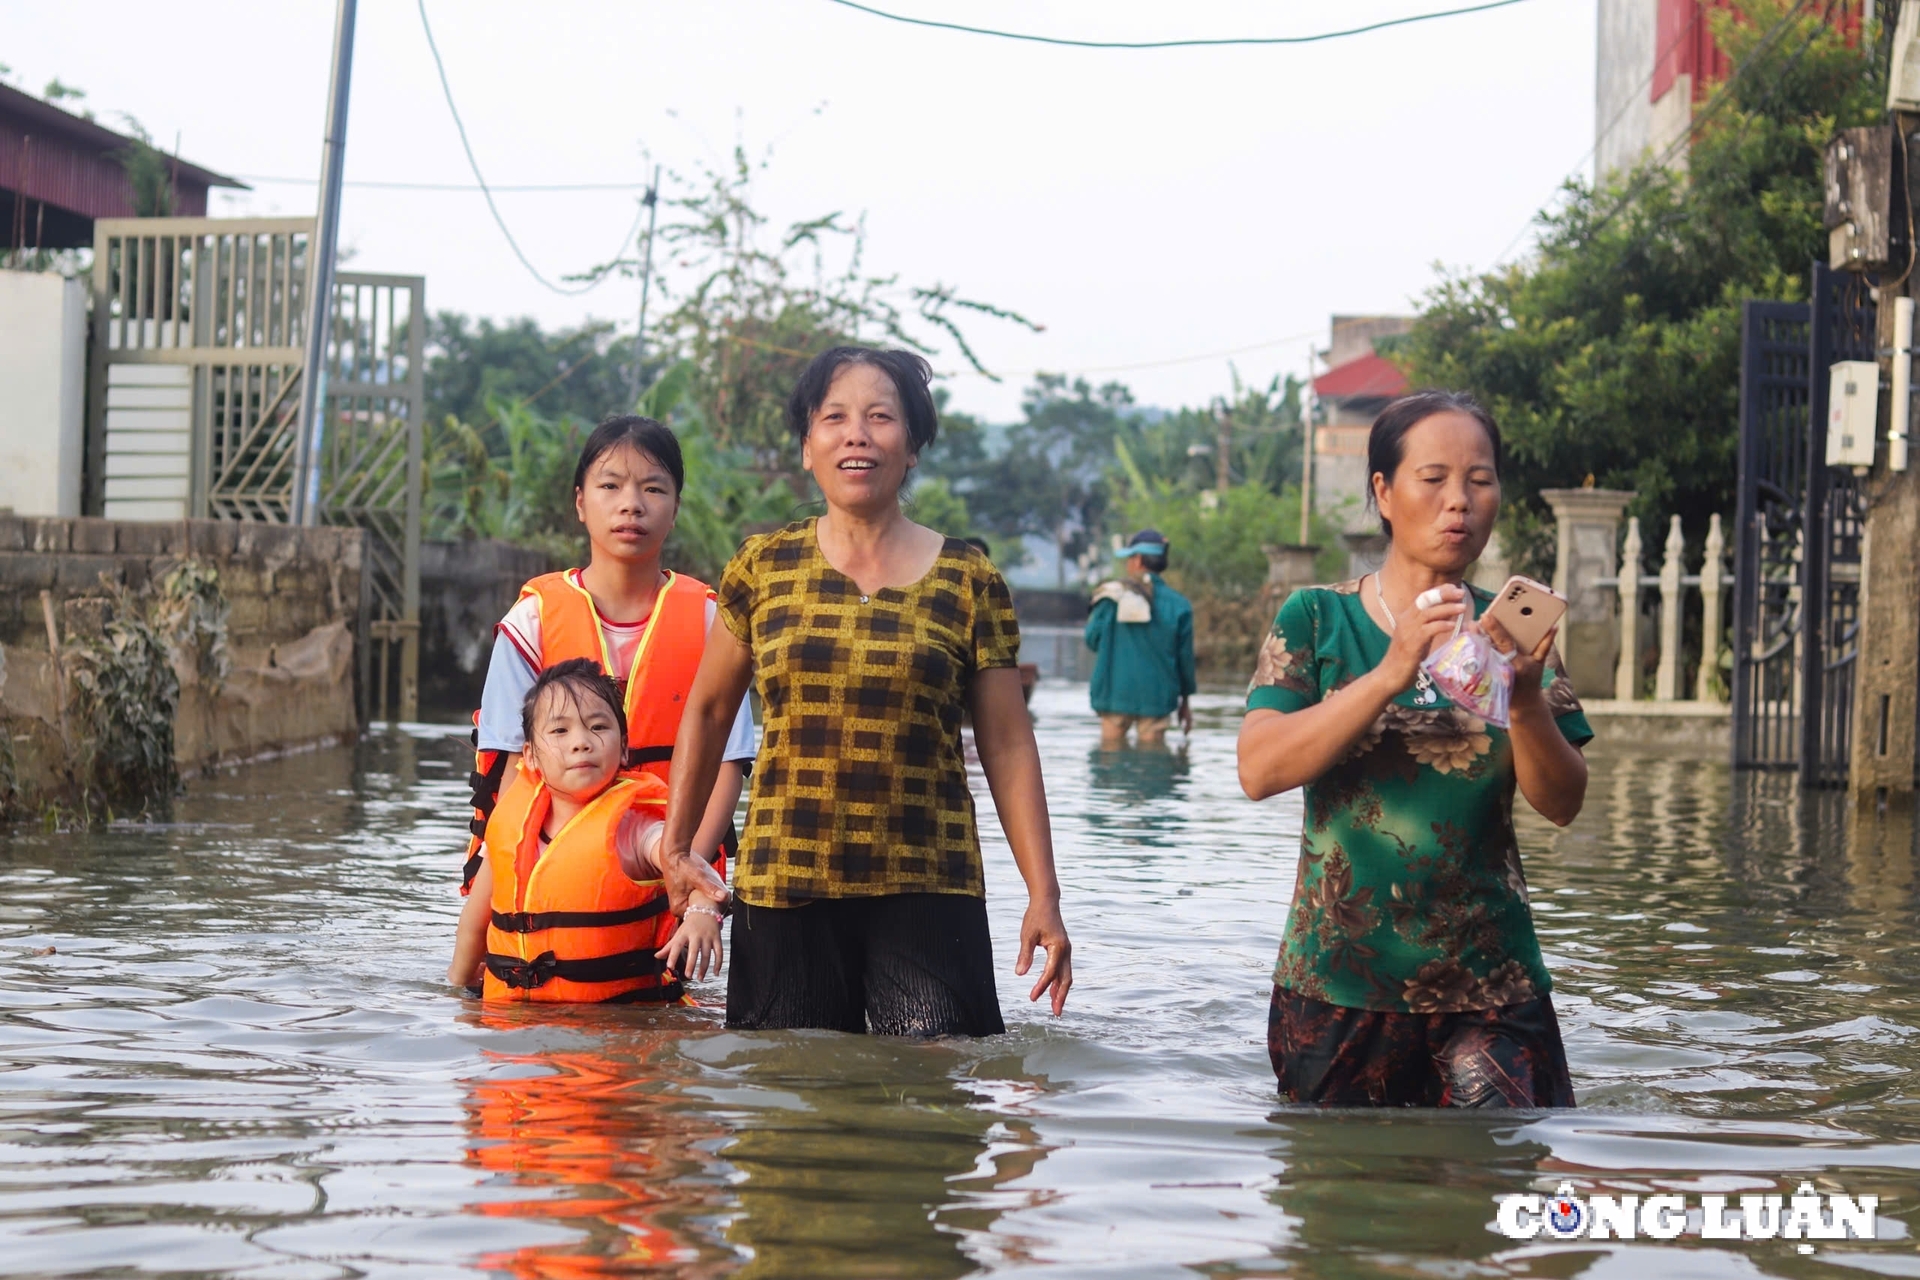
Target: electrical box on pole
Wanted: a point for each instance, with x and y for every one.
(1853, 405)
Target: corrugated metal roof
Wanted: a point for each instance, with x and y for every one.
(54, 156)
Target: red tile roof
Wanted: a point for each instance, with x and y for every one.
(1368, 376)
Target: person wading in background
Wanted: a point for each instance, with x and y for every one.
(1142, 630)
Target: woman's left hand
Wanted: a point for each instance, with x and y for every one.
(1043, 927)
(1527, 667)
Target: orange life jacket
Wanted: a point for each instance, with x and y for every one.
(655, 688)
(568, 925)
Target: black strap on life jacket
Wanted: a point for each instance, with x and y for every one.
(637, 756)
(536, 921)
(486, 794)
(525, 975)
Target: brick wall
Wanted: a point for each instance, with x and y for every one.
(296, 606)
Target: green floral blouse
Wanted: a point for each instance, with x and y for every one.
(1409, 896)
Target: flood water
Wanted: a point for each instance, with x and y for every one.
(239, 1059)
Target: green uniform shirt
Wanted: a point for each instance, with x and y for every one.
(1142, 668)
(1409, 897)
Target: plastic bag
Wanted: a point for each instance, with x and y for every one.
(1477, 677)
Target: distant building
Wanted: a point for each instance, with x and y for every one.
(1656, 62)
(59, 172)
(1358, 383)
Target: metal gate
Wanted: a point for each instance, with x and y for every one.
(1767, 551)
(197, 354)
(1797, 559)
(1844, 315)
(198, 327)
(370, 466)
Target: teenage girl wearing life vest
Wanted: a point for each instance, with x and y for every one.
(645, 627)
(568, 904)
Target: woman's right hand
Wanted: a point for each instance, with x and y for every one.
(690, 878)
(1416, 633)
(1042, 927)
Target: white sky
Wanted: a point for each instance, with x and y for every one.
(1145, 206)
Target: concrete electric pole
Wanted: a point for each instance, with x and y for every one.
(1869, 192)
(320, 264)
(646, 286)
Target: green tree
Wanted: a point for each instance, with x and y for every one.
(149, 170)
(1613, 352)
(1052, 478)
(933, 503)
(580, 373)
(1264, 429)
(758, 307)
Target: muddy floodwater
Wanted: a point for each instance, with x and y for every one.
(239, 1058)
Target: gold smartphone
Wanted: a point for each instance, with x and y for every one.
(1528, 610)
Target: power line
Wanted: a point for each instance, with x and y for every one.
(451, 186)
(1698, 119)
(1171, 44)
(1601, 136)
(498, 221)
(1156, 364)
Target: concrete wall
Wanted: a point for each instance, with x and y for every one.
(1623, 112)
(465, 587)
(296, 603)
(43, 366)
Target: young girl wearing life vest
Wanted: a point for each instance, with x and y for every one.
(645, 627)
(568, 904)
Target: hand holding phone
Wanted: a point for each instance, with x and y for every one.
(1527, 610)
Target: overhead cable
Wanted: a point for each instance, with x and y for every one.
(1601, 135)
(447, 89)
(1696, 121)
(1172, 44)
(272, 179)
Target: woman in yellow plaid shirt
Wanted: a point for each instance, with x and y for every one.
(860, 903)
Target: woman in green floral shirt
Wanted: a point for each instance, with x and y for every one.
(1410, 974)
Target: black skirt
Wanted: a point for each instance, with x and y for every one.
(1510, 1056)
(897, 964)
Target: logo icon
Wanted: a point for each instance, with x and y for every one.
(1566, 1215)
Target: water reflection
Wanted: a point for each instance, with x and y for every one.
(1141, 774)
(239, 1060)
(863, 1157)
(594, 1140)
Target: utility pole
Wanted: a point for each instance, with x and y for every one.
(1306, 453)
(320, 262)
(1870, 188)
(1223, 450)
(652, 202)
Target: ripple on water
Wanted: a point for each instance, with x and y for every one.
(239, 1059)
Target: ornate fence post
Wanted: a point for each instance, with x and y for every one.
(1584, 557)
(1666, 678)
(1626, 674)
(1711, 572)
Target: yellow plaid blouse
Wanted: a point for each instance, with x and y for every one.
(860, 787)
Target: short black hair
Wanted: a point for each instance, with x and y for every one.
(1387, 442)
(654, 439)
(912, 379)
(578, 677)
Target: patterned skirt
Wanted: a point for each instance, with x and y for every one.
(1325, 1054)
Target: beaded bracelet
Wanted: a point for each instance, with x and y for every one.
(704, 911)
